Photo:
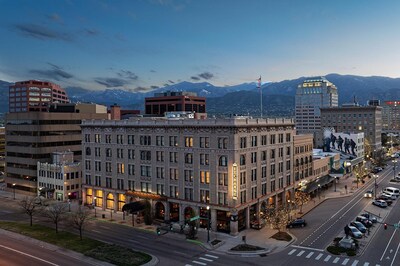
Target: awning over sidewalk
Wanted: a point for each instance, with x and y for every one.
(322, 181)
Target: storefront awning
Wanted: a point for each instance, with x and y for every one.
(313, 185)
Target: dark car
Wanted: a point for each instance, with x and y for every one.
(299, 222)
(359, 226)
(385, 198)
(369, 217)
(367, 223)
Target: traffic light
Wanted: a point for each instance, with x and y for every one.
(158, 231)
(385, 226)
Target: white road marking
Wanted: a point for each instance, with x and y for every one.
(309, 255)
(188, 264)
(335, 260)
(316, 249)
(292, 251)
(390, 240)
(395, 254)
(319, 256)
(300, 253)
(96, 231)
(198, 262)
(366, 264)
(345, 261)
(211, 256)
(201, 258)
(327, 258)
(354, 263)
(28, 255)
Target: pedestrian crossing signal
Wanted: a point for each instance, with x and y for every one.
(158, 231)
(385, 226)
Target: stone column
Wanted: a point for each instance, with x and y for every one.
(182, 213)
(104, 203)
(234, 225)
(213, 220)
(166, 211)
(247, 211)
(115, 201)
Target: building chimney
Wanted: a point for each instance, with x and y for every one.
(115, 112)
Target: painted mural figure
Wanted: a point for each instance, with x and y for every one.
(333, 140)
(353, 147)
(346, 145)
(340, 143)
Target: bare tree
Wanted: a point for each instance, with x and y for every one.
(55, 213)
(301, 198)
(278, 217)
(79, 219)
(29, 206)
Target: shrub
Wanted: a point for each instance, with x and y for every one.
(350, 252)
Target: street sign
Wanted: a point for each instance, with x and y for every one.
(397, 226)
(194, 218)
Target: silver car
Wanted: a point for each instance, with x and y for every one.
(355, 232)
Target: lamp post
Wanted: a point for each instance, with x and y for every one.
(13, 185)
(208, 224)
(319, 193)
(376, 186)
(334, 182)
(69, 201)
(394, 168)
(94, 204)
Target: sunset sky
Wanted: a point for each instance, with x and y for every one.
(144, 44)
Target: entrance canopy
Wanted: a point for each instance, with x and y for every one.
(136, 206)
(313, 185)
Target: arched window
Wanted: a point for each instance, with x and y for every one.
(301, 161)
(310, 158)
(88, 151)
(306, 161)
(223, 161)
(297, 162)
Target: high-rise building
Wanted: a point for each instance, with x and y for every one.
(170, 101)
(34, 95)
(391, 116)
(356, 119)
(311, 95)
(236, 166)
(32, 137)
(2, 148)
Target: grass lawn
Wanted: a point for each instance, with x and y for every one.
(282, 236)
(89, 247)
(246, 247)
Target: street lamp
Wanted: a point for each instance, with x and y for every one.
(376, 186)
(94, 204)
(69, 202)
(334, 182)
(394, 168)
(13, 185)
(208, 224)
(319, 193)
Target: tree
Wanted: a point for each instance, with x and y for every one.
(28, 204)
(380, 158)
(360, 171)
(278, 217)
(56, 213)
(191, 234)
(148, 218)
(79, 219)
(368, 152)
(301, 198)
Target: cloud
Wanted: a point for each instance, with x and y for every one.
(127, 74)
(206, 75)
(111, 82)
(55, 18)
(170, 81)
(140, 89)
(91, 32)
(41, 33)
(56, 73)
(195, 78)
(166, 85)
(152, 71)
(154, 87)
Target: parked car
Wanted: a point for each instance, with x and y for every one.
(359, 226)
(380, 203)
(385, 198)
(355, 232)
(368, 194)
(392, 190)
(367, 223)
(299, 222)
(370, 217)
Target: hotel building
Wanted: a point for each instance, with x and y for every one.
(236, 166)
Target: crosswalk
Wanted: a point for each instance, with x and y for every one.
(203, 260)
(324, 257)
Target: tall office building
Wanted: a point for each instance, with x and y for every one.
(2, 148)
(170, 101)
(311, 95)
(32, 137)
(236, 166)
(356, 119)
(34, 95)
(391, 116)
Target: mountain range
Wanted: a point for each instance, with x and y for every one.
(278, 97)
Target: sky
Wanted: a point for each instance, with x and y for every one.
(140, 45)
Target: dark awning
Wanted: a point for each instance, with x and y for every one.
(136, 206)
(313, 185)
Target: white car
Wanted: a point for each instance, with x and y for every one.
(355, 232)
(380, 203)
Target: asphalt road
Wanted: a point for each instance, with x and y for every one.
(15, 252)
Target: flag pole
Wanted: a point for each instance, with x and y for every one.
(259, 87)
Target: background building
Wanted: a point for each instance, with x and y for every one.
(60, 179)
(32, 137)
(174, 102)
(2, 148)
(391, 116)
(311, 95)
(303, 160)
(34, 95)
(356, 119)
(237, 166)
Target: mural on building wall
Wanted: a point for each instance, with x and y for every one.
(350, 145)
